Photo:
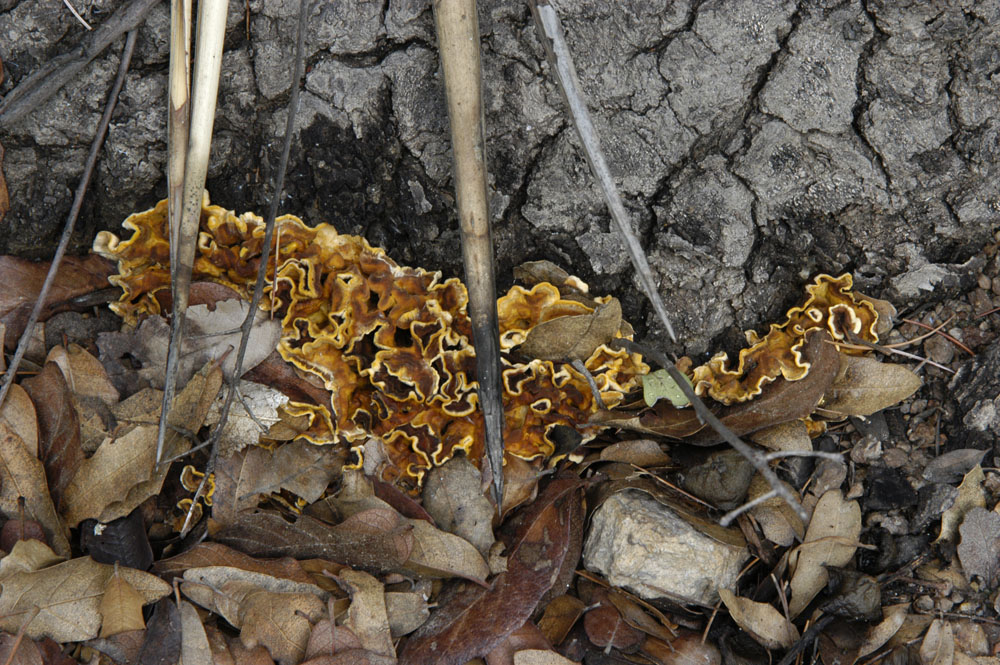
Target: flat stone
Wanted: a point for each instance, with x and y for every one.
(638, 543)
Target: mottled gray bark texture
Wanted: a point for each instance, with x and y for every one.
(756, 142)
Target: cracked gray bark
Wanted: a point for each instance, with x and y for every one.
(755, 142)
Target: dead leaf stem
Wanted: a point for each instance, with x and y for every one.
(458, 40)
(81, 190)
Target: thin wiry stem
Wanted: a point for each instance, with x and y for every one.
(561, 62)
(81, 190)
(704, 415)
(279, 184)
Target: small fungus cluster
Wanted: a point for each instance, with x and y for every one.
(391, 344)
(831, 306)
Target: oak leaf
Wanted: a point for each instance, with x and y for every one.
(121, 607)
(67, 598)
(22, 475)
(831, 540)
(761, 621)
(865, 385)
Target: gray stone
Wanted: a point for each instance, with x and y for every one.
(638, 543)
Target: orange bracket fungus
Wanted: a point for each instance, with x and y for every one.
(391, 344)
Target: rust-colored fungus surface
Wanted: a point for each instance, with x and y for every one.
(392, 344)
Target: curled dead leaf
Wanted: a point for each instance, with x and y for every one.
(865, 385)
(831, 540)
(574, 337)
(763, 622)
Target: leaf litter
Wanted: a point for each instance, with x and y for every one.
(304, 562)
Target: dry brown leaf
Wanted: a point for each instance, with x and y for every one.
(194, 642)
(299, 467)
(84, 374)
(327, 638)
(27, 652)
(207, 554)
(641, 617)
(938, 647)
(4, 195)
(454, 498)
(18, 413)
(879, 634)
(67, 597)
(121, 607)
(686, 649)
(788, 436)
(779, 521)
(22, 280)
(58, 429)
(761, 621)
(236, 476)
(353, 657)
(866, 385)
(407, 611)
(281, 622)
(28, 556)
(559, 616)
(574, 337)
(473, 620)
(979, 548)
(831, 540)
(641, 452)
(606, 627)
(22, 475)
(203, 342)
(540, 657)
(241, 428)
(123, 472)
(216, 576)
(437, 553)
(376, 539)
(366, 617)
(520, 483)
(971, 494)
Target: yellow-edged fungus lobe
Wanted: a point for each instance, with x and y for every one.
(392, 344)
(831, 305)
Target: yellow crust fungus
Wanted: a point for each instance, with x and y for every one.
(831, 306)
(392, 344)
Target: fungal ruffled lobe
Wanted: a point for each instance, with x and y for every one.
(831, 305)
(392, 344)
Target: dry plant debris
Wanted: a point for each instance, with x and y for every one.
(297, 557)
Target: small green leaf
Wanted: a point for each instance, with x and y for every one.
(658, 385)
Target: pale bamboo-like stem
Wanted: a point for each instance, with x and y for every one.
(458, 41)
(207, 67)
(178, 115)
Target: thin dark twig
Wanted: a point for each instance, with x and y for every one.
(279, 184)
(578, 365)
(943, 334)
(81, 190)
(57, 72)
(709, 418)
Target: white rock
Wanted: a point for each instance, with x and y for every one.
(639, 543)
